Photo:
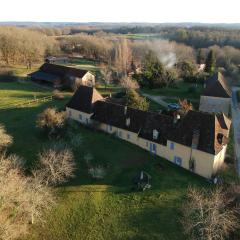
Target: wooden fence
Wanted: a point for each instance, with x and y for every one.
(26, 103)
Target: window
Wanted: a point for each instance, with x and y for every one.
(155, 134)
(128, 136)
(172, 146)
(120, 134)
(87, 120)
(177, 160)
(110, 128)
(146, 144)
(80, 116)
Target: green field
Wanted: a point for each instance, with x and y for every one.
(103, 209)
(182, 90)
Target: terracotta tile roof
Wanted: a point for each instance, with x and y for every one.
(84, 98)
(217, 86)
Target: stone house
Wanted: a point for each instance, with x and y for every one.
(197, 142)
(216, 97)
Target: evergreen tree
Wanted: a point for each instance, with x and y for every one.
(134, 100)
(210, 63)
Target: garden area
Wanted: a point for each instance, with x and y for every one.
(105, 208)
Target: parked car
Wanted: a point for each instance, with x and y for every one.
(173, 106)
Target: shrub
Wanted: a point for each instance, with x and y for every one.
(97, 172)
(5, 139)
(51, 121)
(134, 100)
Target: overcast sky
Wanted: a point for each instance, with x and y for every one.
(211, 11)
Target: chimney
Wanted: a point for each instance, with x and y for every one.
(128, 122)
(176, 118)
(195, 138)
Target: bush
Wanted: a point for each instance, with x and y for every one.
(134, 100)
(52, 122)
(5, 139)
(97, 172)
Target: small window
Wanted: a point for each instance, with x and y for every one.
(154, 148)
(172, 146)
(110, 128)
(80, 116)
(177, 160)
(120, 134)
(146, 144)
(128, 136)
(155, 134)
(69, 113)
(220, 138)
(87, 121)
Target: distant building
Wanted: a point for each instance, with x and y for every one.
(58, 76)
(57, 60)
(196, 142)
(216, 97)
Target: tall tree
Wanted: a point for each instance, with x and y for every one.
(210, 62)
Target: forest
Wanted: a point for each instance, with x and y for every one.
(176, 52)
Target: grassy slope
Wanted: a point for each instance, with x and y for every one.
(89, 209)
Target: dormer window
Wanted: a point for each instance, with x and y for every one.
(220, 138)
(128, 122)
(125, 110)
(155, 134)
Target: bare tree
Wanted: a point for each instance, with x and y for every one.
(5, 139)
(107, 74)
(208, 215)
(22, 198)
(123, 56)
(51, 121)
(56, 165)
(128, 83)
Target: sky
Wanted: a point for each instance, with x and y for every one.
(156, 11)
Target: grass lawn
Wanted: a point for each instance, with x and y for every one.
(103, 209)
(181, 91)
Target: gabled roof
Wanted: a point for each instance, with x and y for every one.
(216, 86)
(84, 98)
(62, 71)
